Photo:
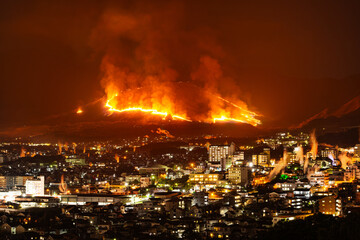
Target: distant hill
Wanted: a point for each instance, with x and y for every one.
(338, 127)
(346, 116)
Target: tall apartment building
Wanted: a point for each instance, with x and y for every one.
(9, 182)
(36, 186)
(262, 159)
(239, 174)
(330, 205)
(219, 155)
(238, 158)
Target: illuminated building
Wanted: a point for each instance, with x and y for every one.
(13, 181)
(292, 158)
(296, 203)
(262, 159)
(154, 170)
(356, 157)
(76, 161)
(219, 154)
(357, 150)
(285, 217)
(238, 158)
(238, 174)
(329, 151)
(3, 182)
(198, 178)
(200, 199)
(40, 201)
(330, 205)
(267, 151)
(101, 199)
(351, 173)
(285, 187)
(143, 181)
(225, 163)
(254, 160)
(35, 186)
(10, 195)
(319, 178)
(302, 192)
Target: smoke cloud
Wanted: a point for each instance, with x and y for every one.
(300, 155)
(314, 145)
(345, 160)
(278, 167)
(152, 63)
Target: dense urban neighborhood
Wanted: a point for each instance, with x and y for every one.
(165, 187)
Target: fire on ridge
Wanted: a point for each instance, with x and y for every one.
(222, 115)
(164, 114)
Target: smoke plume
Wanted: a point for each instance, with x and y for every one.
(278, 167)
(165, 67)
(345, 160)
(306, 164)
(314, 144)
(331, 157)
(300, 155)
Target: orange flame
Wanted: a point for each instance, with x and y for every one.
(23, 152)
(227, 119)
(79, 111)
(60, 148)
(245, 116)
(165, 132)
(112, 108)
(148, 78)
(117, 158)
(62, 185)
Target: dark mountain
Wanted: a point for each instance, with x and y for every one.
(347, 116)
(95, 123)
(338, 127)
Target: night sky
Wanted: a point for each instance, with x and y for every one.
(288, 59)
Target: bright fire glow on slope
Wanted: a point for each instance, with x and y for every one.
(79, 111)
(111, 108)
(226, 119)
(244, 117)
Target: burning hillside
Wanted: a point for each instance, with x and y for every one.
(146, 58)
(181, 106)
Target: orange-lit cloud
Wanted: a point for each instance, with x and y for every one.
(160, 67)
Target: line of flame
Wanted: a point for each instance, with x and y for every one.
(225, 119)
(242, 109)
(249, 120)
(139, 109)
(249, 117)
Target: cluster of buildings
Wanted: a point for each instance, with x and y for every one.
(197, 189)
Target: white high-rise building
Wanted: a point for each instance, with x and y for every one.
(238, 158)
(35, 187)
(219, 154)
